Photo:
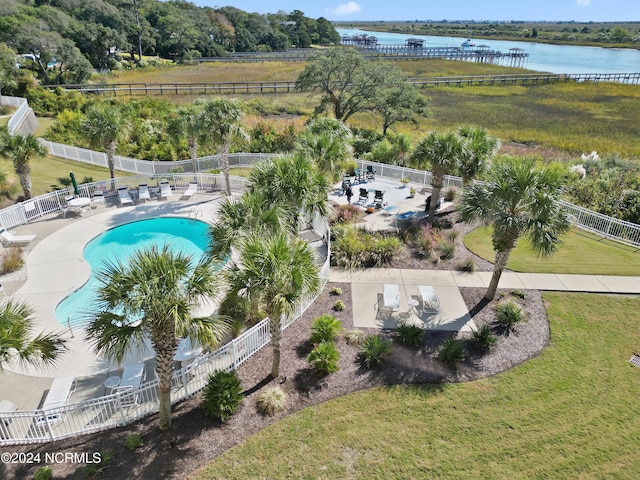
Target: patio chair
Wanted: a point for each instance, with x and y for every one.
(371, 173)
(98, 199)
(359, 176)
(132, 378)
(428, 299)
(123, 196)
(57, 397)
(165, 190)
(190, 192)
(364, 196)
(389, 300)
(143, 192)
(378, 198)
(10, 239)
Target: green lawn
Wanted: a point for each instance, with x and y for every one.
(573, 412)
(580, 253)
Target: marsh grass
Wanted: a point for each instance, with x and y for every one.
(580, 253)
(570, 413)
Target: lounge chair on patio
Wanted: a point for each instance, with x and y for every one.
(364, 196)
(57, 397)
(378, 198)
(190, 192)
(98, 199)
(165, 190)
(429, 300)
(123, 196)
(388, 300)
(143, 192)
(371, 173)
(10, 239)
(132, 378)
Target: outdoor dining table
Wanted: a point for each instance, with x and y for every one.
(79, 203)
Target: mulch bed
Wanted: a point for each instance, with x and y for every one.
(194, 440)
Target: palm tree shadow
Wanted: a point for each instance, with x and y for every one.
(478, 307)
(262, 383)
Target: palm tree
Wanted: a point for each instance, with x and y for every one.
(326, 141)
(479, 148)
(16, 342)
(185, 122)
(104, 126)
(276, 272)
(249, 214)
(21, 150)
(520, 199)
(220, 120)
(152, 296)
(438, 152)
(294, 182)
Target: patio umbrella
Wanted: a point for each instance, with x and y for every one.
(76, 190)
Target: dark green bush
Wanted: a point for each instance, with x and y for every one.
(483, 338)
(325, 328)
(324, 357)
(446, 250)
(374, 350)
(133, 441)
(452, 352)
(222, 395)
(410, 334)
(509, 314)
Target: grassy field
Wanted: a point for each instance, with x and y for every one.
(580, 253)
(573, 118)
(570, 413)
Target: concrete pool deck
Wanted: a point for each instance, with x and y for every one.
(56, 268)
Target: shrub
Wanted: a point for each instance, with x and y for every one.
(222, 394)
(271, 400)
(43, 473)
(450, 194)
(483, 338)
(410, 334)
(354, 337)
(509, 315)
(324, 358)
(446, 250)
(374, 350)
(339, 306)
(466, 265)
(425, 240)
(452, 352)
(519, 294)
(451, 235)
(348, 213)
(12, 260)
(336, 291)
(355, 247)
(325, 328)
(133, 441)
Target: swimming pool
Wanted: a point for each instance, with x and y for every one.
(184, 235)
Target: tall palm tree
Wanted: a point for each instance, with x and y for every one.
(277, 272)
(17, 341)
(440, 153)
(326, 141)
(520, 199)
(105, 126)
(294, 182)
(21, 150)
(479, 148)
(152, 296)
(185, 122)
(251, 213)
(221, 124)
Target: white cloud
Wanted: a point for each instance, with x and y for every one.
(352, 7)
(583, 3)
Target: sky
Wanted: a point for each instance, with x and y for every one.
(547, 10)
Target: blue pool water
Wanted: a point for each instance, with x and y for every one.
(181, 234)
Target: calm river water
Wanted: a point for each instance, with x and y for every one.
(542, 57)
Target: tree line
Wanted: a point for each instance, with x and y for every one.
(62, 41)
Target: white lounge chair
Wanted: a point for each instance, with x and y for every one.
(143, 192)
(59, 393)
(391, 295)
(190, 192)
(132, 377)
(10, 239)
(98, 199)
(428, 298)
(165, 190)
(123, 196)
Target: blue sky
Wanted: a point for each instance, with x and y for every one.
(579, 10)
